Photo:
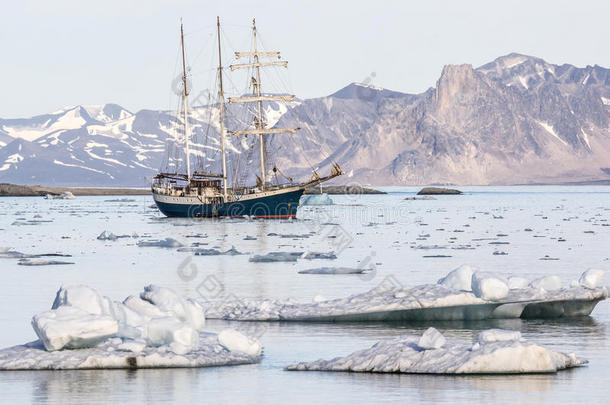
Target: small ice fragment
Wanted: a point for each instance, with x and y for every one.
(591, 278)
(276, 257)
(431, 339)
(498, 335)
(41, 262)
(488, 287)
(107, 236)
(234, 341)
(319, 298)
(165, 243)
(319, 255)
(333, 270)
(459, 279)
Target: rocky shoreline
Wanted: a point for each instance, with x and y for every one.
(345, 189)
(16, 190)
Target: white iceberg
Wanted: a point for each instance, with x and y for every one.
(161, 327)
(315, 199)
(491, 298)
(508, 355)
(66, 195)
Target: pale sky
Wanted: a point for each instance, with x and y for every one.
(69, 52)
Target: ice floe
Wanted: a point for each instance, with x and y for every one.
(494, 352)
(157, 328)
(488, 296)
(211, 252)
(164, 243)
(334, 270)
(105, 235)
(66, 195)
(41, 262)
(291, 256)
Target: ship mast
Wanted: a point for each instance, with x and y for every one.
(222, 123)
(259, 121)
(185, 101)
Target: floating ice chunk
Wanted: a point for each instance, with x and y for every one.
(214, 252)
(319, 298)
(591, 278)
(459, 279)
(488, 286)
(234, 341)
(428, 302)
(66, 195)
(105, 235)
(333, 270)
(41, 262)
(72, 328)
(315, 199)
(516, 283)
(498, 335)
(164, 243)
(404, 355)
(431, 339)
(118, 354)
(276, 257)
(319, 255)
(549, 283)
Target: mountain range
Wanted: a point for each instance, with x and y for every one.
(516, 120)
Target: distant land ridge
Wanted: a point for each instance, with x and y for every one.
(515, 120)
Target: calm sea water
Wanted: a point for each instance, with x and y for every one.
(401, 240)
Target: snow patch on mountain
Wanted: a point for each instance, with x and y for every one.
(549, 128)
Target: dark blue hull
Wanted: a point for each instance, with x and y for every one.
(274, 206)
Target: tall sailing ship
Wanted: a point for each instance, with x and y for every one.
(201, 193)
